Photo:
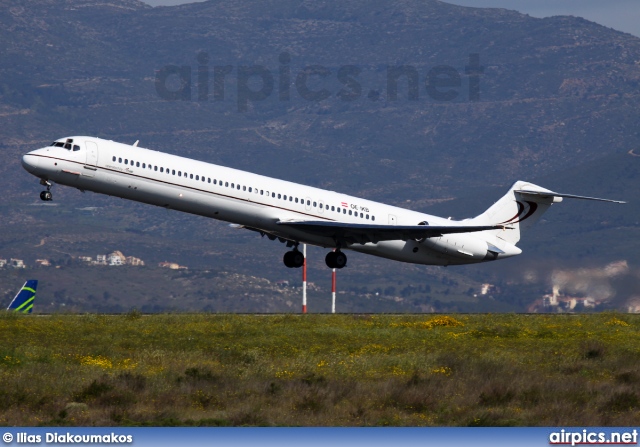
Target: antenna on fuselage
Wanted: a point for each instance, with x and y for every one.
(136, 143)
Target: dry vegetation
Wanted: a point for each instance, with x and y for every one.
(478, 370)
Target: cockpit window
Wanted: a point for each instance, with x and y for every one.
(58, 144)
(67, 146)
(76, 147)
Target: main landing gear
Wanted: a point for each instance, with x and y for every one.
(293, 259)
(336, 259)
(46, 195)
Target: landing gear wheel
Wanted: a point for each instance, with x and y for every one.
(46, 196)
(335, 260)
(297, 258)
(293, 259)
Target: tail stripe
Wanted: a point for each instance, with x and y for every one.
(520, 210)
(533, 206)
(28, 302)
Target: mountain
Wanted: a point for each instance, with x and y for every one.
(553, 100)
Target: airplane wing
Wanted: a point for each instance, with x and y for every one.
(354, 233)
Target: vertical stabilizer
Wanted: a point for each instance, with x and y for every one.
(517, 210)
(23, 301)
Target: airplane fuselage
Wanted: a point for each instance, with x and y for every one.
(250, 200)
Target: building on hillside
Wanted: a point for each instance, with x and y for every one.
(116, 258)
(101, 260)
(17, 263)
(486, 288)
(43, 262)
(171, 265)
(633, 305)
(134, 261)
(3, 263)
(85, 259)
(559, 302)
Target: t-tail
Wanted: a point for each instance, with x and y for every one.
(521, 207)
(23, 302)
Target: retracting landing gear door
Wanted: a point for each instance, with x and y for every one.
(92, 159)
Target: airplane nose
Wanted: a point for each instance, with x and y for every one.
(30, 162)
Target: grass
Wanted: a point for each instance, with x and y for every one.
(320, 370)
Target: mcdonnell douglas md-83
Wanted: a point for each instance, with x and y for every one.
(290, 212)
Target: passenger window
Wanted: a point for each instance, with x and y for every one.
(191, 176)
(209, 181)
(344, 211)
(350, 213)
(144, 165)
(250, 189)
(333, 208)
(279, 196)
(326, 207)
(244, 188)
(161, 169)
(114, 158)
(290, 199)
(238, 187)
(367, 217)
(296, 200)
(261, 191)
(315, 204)
(226, 184)
(126, 162)
(308, 202)
(284, 197)
(155, 168)
(373, 217)
(197, 177)
(173, 172)
(273, 194)
(119, 160)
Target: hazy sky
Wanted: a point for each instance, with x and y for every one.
(623, 15)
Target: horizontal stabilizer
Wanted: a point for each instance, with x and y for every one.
(568, 196)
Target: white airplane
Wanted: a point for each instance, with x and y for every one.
(290, 212)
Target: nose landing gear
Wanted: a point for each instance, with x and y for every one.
(46, 195)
